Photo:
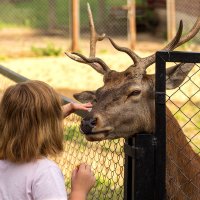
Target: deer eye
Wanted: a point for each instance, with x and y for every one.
(134, 93)
(94, 101)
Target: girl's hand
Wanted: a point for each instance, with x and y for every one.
(82, 182)
(71, 107)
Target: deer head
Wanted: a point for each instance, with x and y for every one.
(124, 105)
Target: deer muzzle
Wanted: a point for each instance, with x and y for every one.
(87, 125)
(94, 128)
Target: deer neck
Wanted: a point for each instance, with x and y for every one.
(183, 164)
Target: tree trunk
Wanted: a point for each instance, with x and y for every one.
(171, 19)
(75, 25)
(132, 22)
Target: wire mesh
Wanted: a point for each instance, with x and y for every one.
(106, 159)
(184, 145)
(188, 12)
(111, 17)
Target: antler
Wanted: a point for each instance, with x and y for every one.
(93, 60)
(177, 41)
(101, 67)
(195, 29)
(94, 37)
(151, 59)
(96, 63)
(133, 55)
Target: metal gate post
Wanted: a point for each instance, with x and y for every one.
(128, 169)
(160, 129)
(139, 167)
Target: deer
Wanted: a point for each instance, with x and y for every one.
(125, 106)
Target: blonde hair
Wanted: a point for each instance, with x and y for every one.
(31, 122)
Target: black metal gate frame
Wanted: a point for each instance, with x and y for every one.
(145, 154)
(162, 57)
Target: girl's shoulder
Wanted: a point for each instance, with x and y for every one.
(44, 164)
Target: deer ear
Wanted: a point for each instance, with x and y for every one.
(86, 96)
(175, 75)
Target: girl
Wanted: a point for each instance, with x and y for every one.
(31, 128)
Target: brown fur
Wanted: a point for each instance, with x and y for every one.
(183, 164)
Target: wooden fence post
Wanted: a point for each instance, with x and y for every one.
(75, 25)
(171, 19)
(131, 22)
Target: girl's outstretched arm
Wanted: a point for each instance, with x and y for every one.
(71, 107)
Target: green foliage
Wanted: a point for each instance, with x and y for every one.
(34, 13)
(49, 50)
(141, 2)
(10, 16)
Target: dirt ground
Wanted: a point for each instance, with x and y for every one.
(21, 41)
(17, 42)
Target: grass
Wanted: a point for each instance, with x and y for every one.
(49, 50)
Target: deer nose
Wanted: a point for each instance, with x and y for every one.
(87, 125)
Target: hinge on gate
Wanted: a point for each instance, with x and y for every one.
(154, 141)
(130, 150)
(160, 97)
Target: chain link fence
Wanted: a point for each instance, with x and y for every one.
(106, 159)
(188, 12)
(52, 15)
(185, 105)
(184, 159)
